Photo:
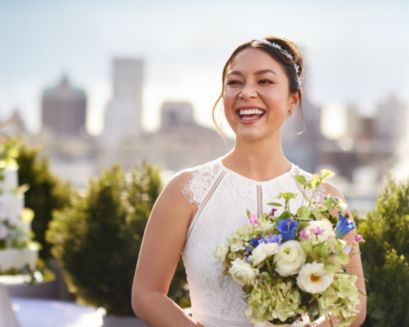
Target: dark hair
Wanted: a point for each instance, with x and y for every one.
(294, 76)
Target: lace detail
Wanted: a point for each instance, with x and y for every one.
(201, 179)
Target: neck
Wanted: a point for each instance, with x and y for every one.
(260, 160)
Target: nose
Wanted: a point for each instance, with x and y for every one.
(248, 92)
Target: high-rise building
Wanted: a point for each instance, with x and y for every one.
(123, 116)
(391, 120)
(176, 113)
(64, 109)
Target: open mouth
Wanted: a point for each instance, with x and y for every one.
(250, 114)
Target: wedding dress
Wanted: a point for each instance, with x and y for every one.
(222, 196)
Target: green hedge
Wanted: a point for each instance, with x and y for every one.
(97, 239)
(46, 192)
(385, 255)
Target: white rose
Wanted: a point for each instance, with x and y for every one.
(262, 251)
(313, 278)
(220, 253)
(242, 272)
(289, 258)
(319, 230)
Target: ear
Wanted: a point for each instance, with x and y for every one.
(293, 100)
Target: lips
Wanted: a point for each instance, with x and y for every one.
(249, 115)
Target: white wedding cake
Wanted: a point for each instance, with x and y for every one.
(16, 251)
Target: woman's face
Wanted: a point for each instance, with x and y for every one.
(256, 95)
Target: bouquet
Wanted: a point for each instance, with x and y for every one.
(290, 265)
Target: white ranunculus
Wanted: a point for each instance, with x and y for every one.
(289, 258)
(220, 253)
(319, 230)
(313, 278)
(262, 251)
(242, 272)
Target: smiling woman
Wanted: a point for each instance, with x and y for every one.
(201, 206)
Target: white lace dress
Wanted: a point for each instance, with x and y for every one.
(222, 197)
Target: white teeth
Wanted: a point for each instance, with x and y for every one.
(251, 112)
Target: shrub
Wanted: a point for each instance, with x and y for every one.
(46, 193)
(97, 240)
(385, 256)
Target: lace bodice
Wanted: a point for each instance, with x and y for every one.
(222, 197)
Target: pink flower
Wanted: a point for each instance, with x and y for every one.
(317, 231)
(253, 219)
(358, 238)
(304, 234)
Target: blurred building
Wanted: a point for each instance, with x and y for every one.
(13, 126)
(391, 120)
(123, 116)
(63, 109)
(302, 132)
(179, 142)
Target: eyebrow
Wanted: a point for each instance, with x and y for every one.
(259, 72)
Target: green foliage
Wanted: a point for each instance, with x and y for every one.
(46, 193)
(97, 239)
(385, 256)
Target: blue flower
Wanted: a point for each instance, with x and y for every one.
(275, 238)
(287, 227)
(344, 226)
(254, 242)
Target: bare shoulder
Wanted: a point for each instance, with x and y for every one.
(172, 198)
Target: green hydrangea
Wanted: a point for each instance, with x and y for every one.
(269, 301)
(341, 299)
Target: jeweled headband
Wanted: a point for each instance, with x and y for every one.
(284, 53)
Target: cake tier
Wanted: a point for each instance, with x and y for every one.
(11, 207)
(9, 182)
(17, 259)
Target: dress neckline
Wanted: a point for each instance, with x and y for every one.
(274, 179)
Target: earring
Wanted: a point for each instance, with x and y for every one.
(290, 112)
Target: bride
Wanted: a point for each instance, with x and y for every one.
(202, 205)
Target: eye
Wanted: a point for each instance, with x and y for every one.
(233, 82)
(265, 81)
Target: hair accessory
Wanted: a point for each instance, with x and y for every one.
(286, 54)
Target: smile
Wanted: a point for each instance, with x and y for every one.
(250, 114)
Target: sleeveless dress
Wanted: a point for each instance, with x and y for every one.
(222, 197)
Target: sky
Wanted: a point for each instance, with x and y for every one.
(356, 51)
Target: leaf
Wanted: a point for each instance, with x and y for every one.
(285, 214)
(307, 246)
(315, 181)
(331, 265)
(318, 215)
(322, 250)
(300, 179)
(326, 173)
(274, 204)
(303, 213)
(287, 196)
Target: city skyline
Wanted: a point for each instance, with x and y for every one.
(352, 50)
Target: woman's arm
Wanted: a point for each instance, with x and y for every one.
(162, 244)
(354, 266)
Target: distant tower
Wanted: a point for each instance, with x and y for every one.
(123, 115)
(64, 108)
(175, 114)
(391, 120)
